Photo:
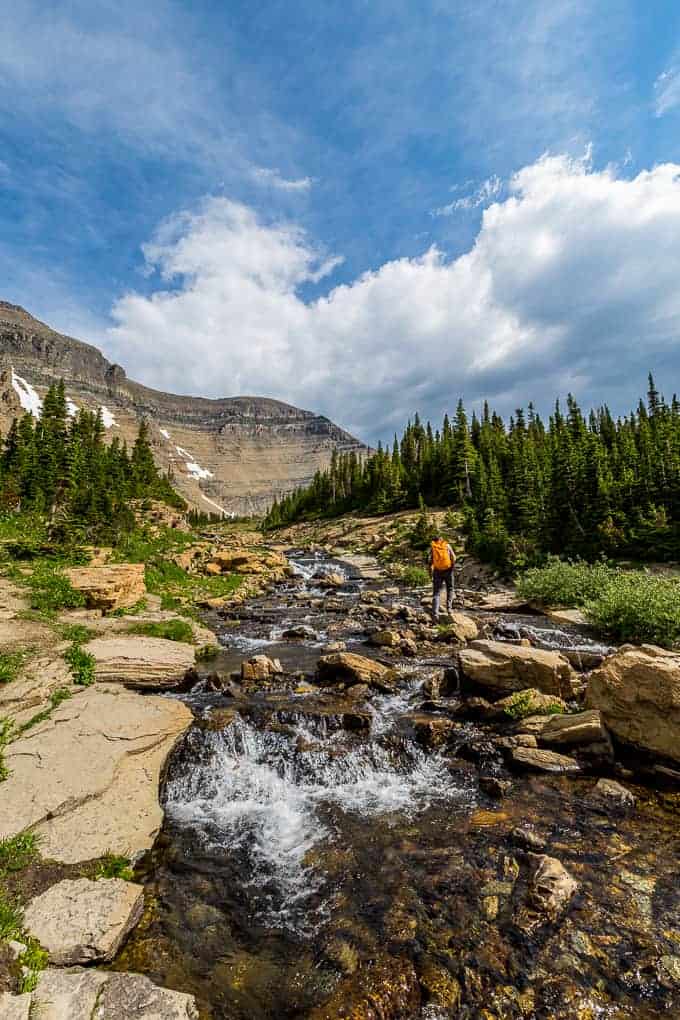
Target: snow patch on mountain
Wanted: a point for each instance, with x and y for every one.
(108, 419)
(28, 397)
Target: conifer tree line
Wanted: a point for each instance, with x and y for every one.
(577, 485)
(63, 468)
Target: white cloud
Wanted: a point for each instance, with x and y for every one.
(571, 283)
(265, 175)
(483, 195)
(667, 90)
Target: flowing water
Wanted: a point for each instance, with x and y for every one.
(309, 838)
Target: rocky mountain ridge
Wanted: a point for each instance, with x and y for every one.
(234, 454)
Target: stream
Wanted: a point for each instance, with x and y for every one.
(314, 845)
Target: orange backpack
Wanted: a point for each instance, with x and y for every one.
(441, 557)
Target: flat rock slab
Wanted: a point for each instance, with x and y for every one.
(112, 587)
(544, 761)
(580, 728)
(87, 778)
(145, 661)
(82, 921)
(79, 994)
(15, 1007)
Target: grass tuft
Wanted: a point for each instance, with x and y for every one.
(17, 852)
(114, 866)
(171, 630)
(82, 665)
(10, 664)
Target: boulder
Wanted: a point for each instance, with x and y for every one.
(637, 690)
(544, 761)
(81, 921)
(85, 994)
(349, 668)
(572, 730)
(260, 668)
(462, 627)
(87, 777)
(111, 587)
(301, 633)
(245, 561)
(331, 580)
(147, 661)
(505, 668)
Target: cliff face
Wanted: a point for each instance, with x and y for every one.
(234, 454)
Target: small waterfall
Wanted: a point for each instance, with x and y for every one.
(272, 796)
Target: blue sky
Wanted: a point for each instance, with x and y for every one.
(363, 208)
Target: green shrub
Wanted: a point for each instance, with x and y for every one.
(82, 665)
(171, 630)
(565, 583)
(636, 607)
(415, 577)
(114, 866)
(52, 591)
(134, 610)
(521, 705)
(16, 852)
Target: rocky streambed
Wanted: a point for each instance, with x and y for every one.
(364, 822)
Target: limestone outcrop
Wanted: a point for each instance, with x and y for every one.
(81, 921)
(87, 778)
(145, 661)
(118, 586)
(505, 668)
(637, 690)
(79, 993)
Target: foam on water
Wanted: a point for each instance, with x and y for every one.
(254, 792)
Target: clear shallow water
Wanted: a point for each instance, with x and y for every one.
(297, 851)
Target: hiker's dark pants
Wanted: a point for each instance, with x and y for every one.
(440, 577)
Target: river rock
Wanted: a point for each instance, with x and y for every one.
(111, 587)
(433, 732)
(540, 760)
(637, 690)
(260, 667)
(551, 889)
(349, 668)
(86, 994)
(81, 921)
(462, 627)
(571, 730)
(386, 639)
(505, 668)
(147, 661)
(608, 795)
(331, 580)
(668, 970)
(387, 989)
(87, 778)
(301, 633)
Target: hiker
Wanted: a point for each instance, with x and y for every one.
(441, 560)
